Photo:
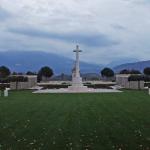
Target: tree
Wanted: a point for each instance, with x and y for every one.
(107, 72)
(30, 73)
(2, 88)
(125, 71)
(136, 78)
(135, 71)
(4, 72)
(45, 72)
(147, 71)
(14, 73)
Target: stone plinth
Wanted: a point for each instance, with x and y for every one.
(80, 88)
(77, 81)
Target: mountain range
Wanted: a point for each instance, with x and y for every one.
(23, 61)
(130, 66)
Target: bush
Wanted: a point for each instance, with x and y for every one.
(107, 72)
(18, 79)
(99, 86)
(125, 71)
(30, 73)
(147, 85)
(139, 78)
(45, 72)
(87, 83)
(136, 78)
(147, 78)
(4, 72)
(147, 71)
(4, 80)
(65, 83)
(3, 86)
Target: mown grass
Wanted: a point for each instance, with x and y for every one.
(119, 121)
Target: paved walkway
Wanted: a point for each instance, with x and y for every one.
(69, 91)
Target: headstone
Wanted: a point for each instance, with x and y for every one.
(6, 92)
(149, 90)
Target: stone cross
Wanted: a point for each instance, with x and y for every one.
(77, 65)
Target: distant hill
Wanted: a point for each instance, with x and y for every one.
(23, 61)
(137, 65)
(120, 61)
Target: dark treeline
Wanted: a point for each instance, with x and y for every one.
(48, 72)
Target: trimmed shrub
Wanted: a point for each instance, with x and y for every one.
(139, 78)
(4, 80)
(18, 79)
(4, 72)
(107, 72)
(2, 87)
(125, 71)
(147, 71)
(136, 78)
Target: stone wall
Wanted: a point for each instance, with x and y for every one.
(122, 80)
(136, 85)
(32, 81)
(19, 85)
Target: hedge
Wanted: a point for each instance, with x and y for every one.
(18, 79)
(139, 78)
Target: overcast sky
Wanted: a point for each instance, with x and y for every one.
(106, 30)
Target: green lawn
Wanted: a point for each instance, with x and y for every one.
(119, 121)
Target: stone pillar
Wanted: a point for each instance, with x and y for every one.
(6, 92)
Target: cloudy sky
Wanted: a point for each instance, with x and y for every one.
(106, 30)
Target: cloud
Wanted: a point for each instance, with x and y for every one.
(145, 2)
(118, 27)
(96, 40)
(4, 14)
(105, 29)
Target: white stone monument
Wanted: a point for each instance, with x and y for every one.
(77, 84)
(6, 92)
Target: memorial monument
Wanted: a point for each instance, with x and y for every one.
(77, 84)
